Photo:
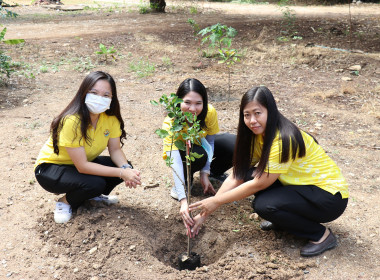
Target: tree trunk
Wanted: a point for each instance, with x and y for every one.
(158, 5)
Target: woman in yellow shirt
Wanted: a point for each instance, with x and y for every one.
(69, 162)
(216, 149)
(296, 185)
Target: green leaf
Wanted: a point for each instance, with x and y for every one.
(236, 230)
(180, 145)
(169, 161)
(231, 32)
(102, 47)
(196, 155)
(13, 41)
(154, 102)
(177, 127)
(2, 34)
(162, 133)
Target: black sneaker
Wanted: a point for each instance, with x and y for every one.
(220, 178)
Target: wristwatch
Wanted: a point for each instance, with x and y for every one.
(126, 165)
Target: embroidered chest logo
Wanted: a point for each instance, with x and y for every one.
(106, 132)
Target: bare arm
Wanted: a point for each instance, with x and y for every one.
(229, 184)
(117, 155)
(79, 158)
(232, 191)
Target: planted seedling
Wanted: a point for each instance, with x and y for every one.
(186, 126)
(106, 52)
(229, 57)
(217, 36)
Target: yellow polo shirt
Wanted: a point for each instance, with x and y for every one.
(212, 127)
(316, 168)
(70, 136)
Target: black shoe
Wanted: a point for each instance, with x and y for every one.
(311, 249)
(220, 178)
(266, 225)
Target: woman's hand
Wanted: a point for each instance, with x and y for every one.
(198, 221)
(185, 215)
(205, 206)
(206, 184)
(131, 177)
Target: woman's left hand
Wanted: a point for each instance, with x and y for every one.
(205, 206)
(206, 184)
(199, 220)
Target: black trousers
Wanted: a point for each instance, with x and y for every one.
(224, 146)
(78, 187)
(299, 210)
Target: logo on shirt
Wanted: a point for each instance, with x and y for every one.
(106, 132)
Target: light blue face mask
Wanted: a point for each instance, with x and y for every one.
(207, 148)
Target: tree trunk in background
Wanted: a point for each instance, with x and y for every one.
(158, 5)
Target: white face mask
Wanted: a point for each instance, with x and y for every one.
(97, 104)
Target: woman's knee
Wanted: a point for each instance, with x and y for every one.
(94, 185)
(264, 207)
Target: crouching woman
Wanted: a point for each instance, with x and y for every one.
(297, 186)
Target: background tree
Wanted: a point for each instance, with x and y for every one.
(158, 5)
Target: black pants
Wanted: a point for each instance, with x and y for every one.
(299, 210)
(78, 187)
(224, 146)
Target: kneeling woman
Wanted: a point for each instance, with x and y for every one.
(296, 185)
(220, 146)
(69, 162)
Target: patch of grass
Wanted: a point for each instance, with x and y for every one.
(142, 67)
(44, 68)
(193, 10)
(144, 8)
(83, 64)
(24, 69)
(166, 61)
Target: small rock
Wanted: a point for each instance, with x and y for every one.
(339, 70)
(132, 248)
(166, 217)
(254, 216)
(346, 79)
(260, 270)
(355, 68)
(92, 250)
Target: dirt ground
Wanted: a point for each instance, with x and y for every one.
(141, 237)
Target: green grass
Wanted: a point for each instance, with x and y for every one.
(142, 68)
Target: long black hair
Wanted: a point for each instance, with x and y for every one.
(195, 85)
(290, 134)
(78, 106)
